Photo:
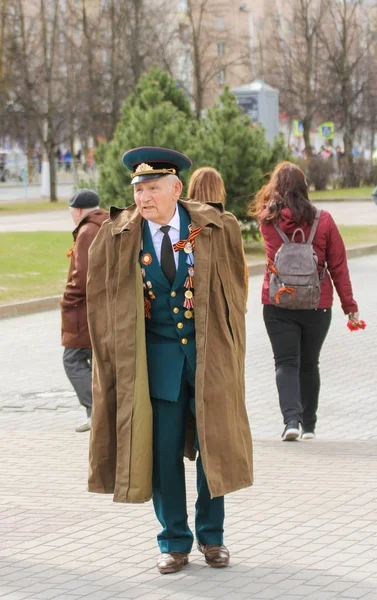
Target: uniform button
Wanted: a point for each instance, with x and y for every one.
(176, 310)
(184, 341)
(180, 325)
(173, 294)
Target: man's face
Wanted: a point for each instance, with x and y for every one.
(157, 199)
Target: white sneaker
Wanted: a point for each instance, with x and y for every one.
(291, 431)
(84, 426)
(308, 435)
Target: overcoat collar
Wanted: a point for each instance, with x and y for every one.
(201, 215)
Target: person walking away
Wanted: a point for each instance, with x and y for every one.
(77, 356)
(166, 310)
(207, 185)
(297, 334)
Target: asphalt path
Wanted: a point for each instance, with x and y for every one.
(32, 192)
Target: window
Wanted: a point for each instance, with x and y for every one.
(220, 46)
(220, 26)
(221, 77)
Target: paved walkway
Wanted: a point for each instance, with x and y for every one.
(307, 529)
(344, 213)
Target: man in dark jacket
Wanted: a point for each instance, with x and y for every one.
(77, 357)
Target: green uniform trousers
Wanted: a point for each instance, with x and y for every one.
(169, 487)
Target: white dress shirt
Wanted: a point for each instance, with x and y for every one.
(174, 234)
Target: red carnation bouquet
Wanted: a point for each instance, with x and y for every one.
(355, 325)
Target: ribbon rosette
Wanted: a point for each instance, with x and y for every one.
(352, 326)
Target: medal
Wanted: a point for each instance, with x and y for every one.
(189, 314)
(188, 248)
(146, 259)
(188, 294)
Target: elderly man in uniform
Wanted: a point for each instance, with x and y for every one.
(166, 309)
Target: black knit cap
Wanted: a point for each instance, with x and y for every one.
(84, 199)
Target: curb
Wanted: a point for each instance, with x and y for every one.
(17, 309)
(27, 307)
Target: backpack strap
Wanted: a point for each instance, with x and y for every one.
(314, 226)
(283, 236)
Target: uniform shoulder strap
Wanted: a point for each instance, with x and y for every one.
(314, 226)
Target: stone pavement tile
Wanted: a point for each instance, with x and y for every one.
(359, 592)
(136, 592)
(321, 596)
(16, 596)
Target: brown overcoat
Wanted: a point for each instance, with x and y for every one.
(121, 434)
(74, 327)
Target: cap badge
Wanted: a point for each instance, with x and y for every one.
(143, 167)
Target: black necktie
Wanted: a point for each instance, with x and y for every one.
(167, 256)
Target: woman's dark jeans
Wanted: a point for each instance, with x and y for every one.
(296, 337)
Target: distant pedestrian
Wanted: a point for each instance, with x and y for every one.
(297, 335)
(77, 357)
(207, 185)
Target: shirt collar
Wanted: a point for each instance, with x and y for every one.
(175, 223)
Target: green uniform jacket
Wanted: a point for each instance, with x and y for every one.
(120, 459)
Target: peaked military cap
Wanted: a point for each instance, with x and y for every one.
(84, 199)
(151, 162)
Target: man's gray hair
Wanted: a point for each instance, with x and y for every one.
(172, 179)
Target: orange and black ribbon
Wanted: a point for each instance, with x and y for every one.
(271, 267)
(69, 254)
(289, 290)
(190, 240)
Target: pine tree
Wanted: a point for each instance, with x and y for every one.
(228, 141)
(156, 114)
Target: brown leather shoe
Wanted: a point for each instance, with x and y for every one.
(215, 556)
(171, 562)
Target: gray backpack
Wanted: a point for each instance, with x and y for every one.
(294, 279)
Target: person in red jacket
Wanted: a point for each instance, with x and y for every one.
(297, 335)
(77, 356)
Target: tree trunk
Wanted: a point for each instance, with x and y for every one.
(306, 124)
(52, 163)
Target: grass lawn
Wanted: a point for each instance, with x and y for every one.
(358, 235)
(362, 192)
(30, 207)
(33, 264)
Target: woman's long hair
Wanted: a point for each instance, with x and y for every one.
(206, 185)
(287, 188)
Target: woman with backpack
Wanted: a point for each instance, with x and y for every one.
(297, 291)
